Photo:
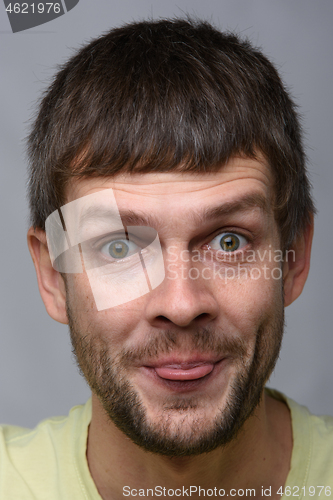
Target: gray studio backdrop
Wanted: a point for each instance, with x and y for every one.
(38, 377)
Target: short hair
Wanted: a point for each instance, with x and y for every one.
(163, 96)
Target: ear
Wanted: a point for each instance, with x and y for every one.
(50, 282)
(297, 264)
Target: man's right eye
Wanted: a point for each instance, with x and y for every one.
(119, 249)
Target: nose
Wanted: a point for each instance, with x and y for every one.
(184, 298)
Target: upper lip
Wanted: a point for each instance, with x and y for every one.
(183, 363)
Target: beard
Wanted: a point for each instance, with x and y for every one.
(180, 429)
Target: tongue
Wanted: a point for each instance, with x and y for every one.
(176, 373)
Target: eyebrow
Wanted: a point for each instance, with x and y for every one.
(133, 218)
(244, 204)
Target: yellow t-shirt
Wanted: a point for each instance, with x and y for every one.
(49, 462)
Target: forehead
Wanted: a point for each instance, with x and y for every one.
(185, 192)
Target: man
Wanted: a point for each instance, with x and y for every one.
(171, 224)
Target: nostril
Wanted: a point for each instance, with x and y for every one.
(203, 317)
(163, 319)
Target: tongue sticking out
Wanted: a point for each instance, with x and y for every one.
(177, 373)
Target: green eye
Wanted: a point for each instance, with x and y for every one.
(229, 242)
(118, 249)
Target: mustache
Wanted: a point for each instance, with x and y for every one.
(202, 341)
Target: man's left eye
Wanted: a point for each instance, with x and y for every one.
(228, 242)
(119, 249)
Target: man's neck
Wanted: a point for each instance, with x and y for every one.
(258, 458)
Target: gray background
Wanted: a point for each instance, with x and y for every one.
(38, 377)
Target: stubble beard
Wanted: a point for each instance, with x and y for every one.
(178, 431)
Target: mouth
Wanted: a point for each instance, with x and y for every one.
(183, 376)
(184, 371)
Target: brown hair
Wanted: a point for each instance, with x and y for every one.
(162, 96)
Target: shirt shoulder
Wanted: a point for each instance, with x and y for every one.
(33, 461)
(312, 455)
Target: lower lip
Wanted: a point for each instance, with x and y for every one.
(179, 380)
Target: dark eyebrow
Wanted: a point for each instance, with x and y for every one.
(133, 218)
(95, 213)
(246, 203)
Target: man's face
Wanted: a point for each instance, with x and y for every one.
(180, 369)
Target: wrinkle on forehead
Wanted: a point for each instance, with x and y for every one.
(157, 184)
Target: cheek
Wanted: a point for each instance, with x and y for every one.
(246, 303)
(114, 324)
(79, 296)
